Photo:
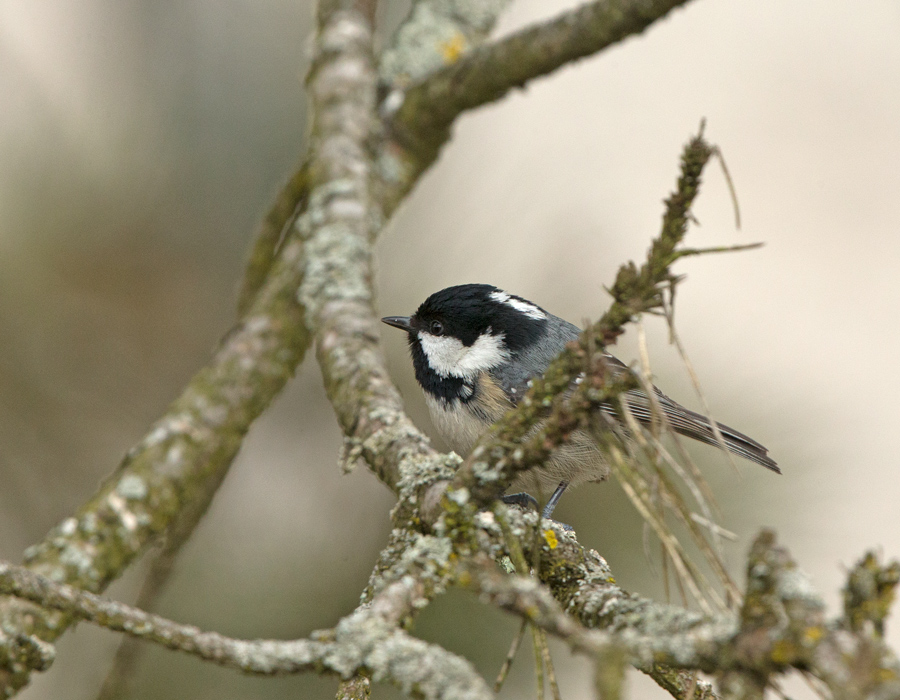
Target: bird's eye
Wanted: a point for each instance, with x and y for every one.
(436, 328)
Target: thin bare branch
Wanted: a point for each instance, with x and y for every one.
(122, 672)
(270, 234)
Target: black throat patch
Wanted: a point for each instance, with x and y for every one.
(442, 388)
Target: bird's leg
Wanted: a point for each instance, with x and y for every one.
(554, 499)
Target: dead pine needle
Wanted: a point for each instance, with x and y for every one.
(717, 153)
(538, 661)
(695, 381)
(510, 656)
(548, 664)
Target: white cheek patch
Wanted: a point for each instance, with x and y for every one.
(519, 305)
(450, 358)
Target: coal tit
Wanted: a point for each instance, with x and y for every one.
(475, 348)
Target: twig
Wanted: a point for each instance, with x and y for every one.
(271, 234)
(536, 633)
(548, 664)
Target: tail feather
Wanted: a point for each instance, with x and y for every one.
(735, 441)
(697, 426)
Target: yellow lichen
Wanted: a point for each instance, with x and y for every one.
(811, 635)
(550, 537)
(783, 652)
(452, 48)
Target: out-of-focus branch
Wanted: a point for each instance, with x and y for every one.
(270, 234)
(191, 445)
(195, 442)
(488, 72)
(116, 685)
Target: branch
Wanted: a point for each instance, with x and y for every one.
(781, 624)
(122, 671)
(434, 34)
(339, 224)
(191, 446)
(487, 73)
(368, 638)
(270, 234)
(534, 602)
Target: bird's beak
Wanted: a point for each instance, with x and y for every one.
(401, 322)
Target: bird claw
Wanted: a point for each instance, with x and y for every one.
(521, 499)
(527, 501)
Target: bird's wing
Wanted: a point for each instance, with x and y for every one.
(696, 426)
(514, 379)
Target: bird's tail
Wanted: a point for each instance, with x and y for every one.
(697, 426)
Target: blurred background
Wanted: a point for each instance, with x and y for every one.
(141, 141)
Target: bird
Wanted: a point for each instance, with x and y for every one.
(475, 349)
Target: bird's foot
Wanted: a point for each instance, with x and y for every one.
(524, 500)
(528, 502)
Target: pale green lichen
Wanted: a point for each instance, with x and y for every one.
(75, 558)
(488, 472)
(434, 34)
(459, 496)
(132, 487)
(417, 471)
(68, 527)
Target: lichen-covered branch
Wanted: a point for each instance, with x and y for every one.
(487, 73)
(338, 225)
(369, 638)
(190, 446)
(375, 127)
(271, 232)
(781, 625)
(121, 673)
(435, 34)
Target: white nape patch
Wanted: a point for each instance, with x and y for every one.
(525, 307)
(450, 358)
